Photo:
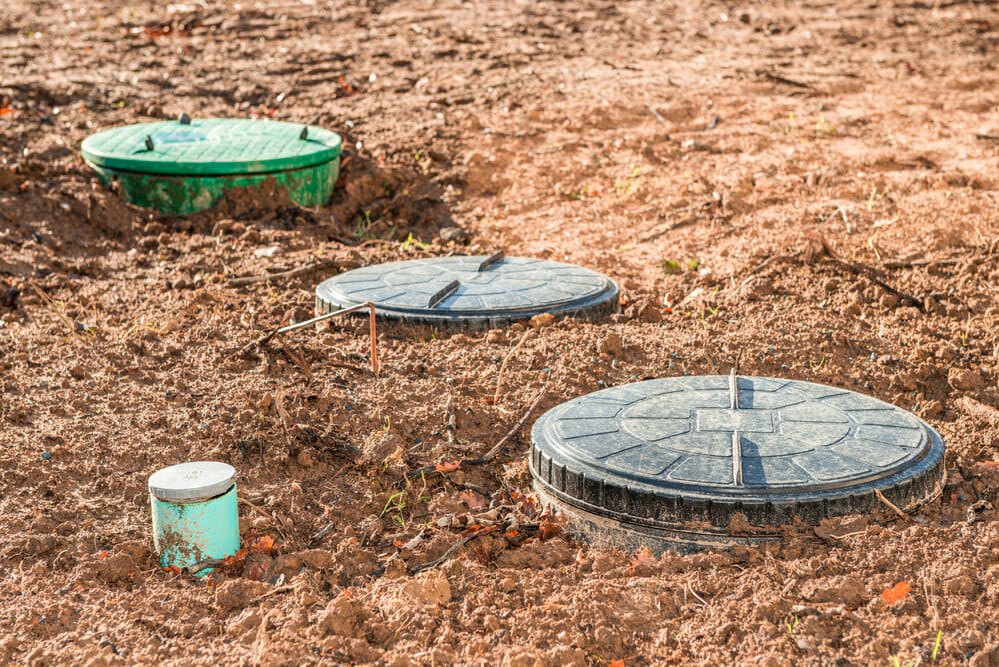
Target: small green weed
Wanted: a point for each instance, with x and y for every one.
(792, 627)
(936, 646)
(396, 503)
(671, 267)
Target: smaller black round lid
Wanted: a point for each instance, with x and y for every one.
(471, 291)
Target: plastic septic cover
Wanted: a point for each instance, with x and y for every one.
(194, 481)
(472, 290)
(704, 448)
(213, 146)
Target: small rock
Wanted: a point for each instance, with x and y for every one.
(542, 320)
(456, 234)
(269, 251)
(931, 409)
(77, 372)
(964, 379)
(756, 289)
(889, 300)
(977, 509)
(610, 345)
(987, 657)
(379, 446)
(834, 528)
(339, 617)
(46, 456)
(237, 593)
(9, 298)
(430, 588)
(251, 235)
(645, 311)
(962, 585)
(301, 315)
(849, 591)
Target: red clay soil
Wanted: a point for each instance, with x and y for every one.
(712, 157)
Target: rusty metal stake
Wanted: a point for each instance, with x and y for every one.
(322, 318)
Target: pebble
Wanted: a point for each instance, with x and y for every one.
(456, 234)
(46, 456)
(964, 379)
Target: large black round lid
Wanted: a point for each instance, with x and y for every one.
(674, 450)
(467, 291)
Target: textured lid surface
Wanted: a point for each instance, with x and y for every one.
(199, 480)
(213, 146)
(470, 287)
(738, 441)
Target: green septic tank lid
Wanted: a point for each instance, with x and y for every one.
(213, 146)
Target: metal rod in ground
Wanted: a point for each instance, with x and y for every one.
(374, 340)
(322, 318)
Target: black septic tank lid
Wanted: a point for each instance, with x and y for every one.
(686, 463)
(471, 292)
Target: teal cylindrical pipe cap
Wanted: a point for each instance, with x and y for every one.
(195, 515)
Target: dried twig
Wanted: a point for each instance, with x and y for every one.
(695, 209)
(277, 525)
(491, 454)
(499, 378)
(273, 591)
(450, 552)
(767, 262)
(901, 264)
(979, 410)
(658, 115)
(820, 249)
(52, 304)
(892, 506)
(249, 280)
(777, 78)
(869, 273)
(323, 532)
(429, 470)
(202, 565)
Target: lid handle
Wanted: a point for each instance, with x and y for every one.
(184, 119)
(737, 458)
(304, 136)
(443, 294)
(149, 143)
(733, 390)
(492, 259)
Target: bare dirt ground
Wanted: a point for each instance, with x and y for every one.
(713, 157)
